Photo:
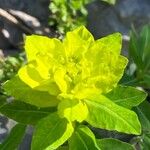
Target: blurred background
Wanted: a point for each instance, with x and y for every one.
(54, 18)
(22, 17)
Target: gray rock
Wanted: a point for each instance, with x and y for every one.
(30, 17)
(3, 128)
(4, 43)
(104, 19)
(36, 8)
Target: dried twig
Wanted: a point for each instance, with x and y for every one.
(12, 19)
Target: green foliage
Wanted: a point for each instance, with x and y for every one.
(14, 138)
(143, 111)
(24, 93)
(51, 132)
(139, 54)
(140, 47)
(83, 139)
(111, 116)
(138, 74)
(24, 113)
(113, 144)
(75, 81)
(9, 66)
(67, 15)
(126, 96)
(145, 144)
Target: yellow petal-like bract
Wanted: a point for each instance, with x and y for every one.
(75, 68)
(77, 64)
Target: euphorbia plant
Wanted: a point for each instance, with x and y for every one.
(76, 80)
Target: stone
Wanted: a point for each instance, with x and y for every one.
(27, 17)
(105, 19)
(36, 8)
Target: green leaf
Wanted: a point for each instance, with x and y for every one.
(105, 114)
(83, 139)
(145, 142)
(14, 138)
(3, 101)
(113, 144)
(134, 52)
(143, 112)
(126, 96)
(144, 43)
(23, 92)
(129, 79)
(51, 132)
(146, 80)
(139, 49)
(25, 113)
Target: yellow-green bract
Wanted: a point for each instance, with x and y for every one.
(74, 69)
(78, 77)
